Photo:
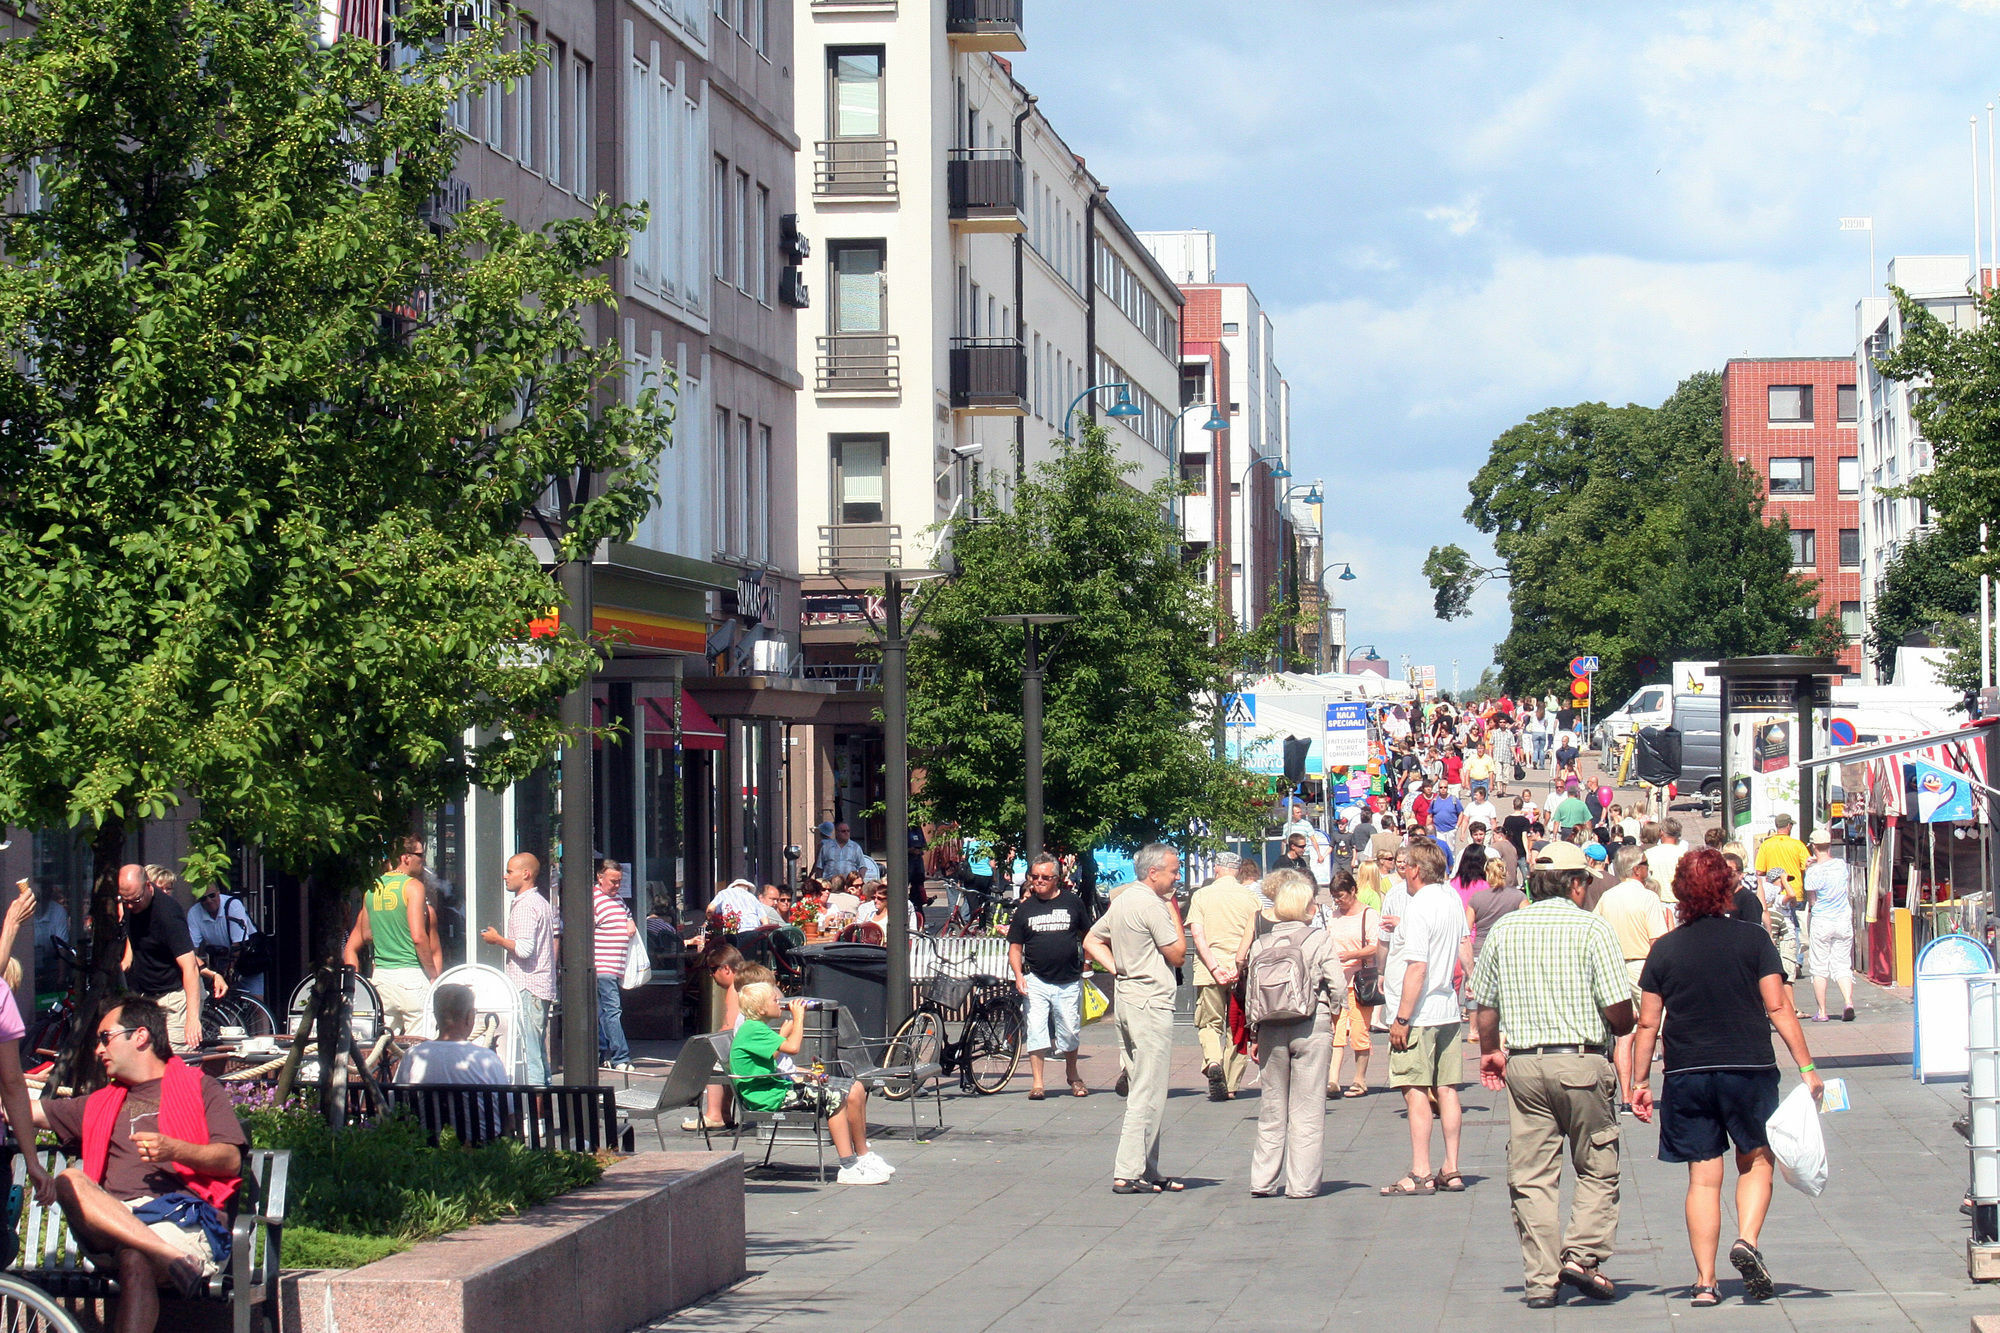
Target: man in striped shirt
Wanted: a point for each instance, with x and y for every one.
(614, 930)
(1551, 976)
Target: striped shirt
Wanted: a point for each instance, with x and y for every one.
(532, 964)
(615, 928)
(1551, 969)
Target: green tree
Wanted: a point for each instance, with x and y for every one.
(269, 440)
(1130, 701)
(1628, 533)
(1927, 590)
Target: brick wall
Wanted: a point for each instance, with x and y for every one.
(1752, 437)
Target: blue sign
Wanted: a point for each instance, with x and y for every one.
(1840, 732)
(1346, 736)
(1239, 710)
(1942, 795)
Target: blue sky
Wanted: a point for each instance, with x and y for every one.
(1458, 214)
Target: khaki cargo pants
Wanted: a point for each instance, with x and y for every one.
(1558, 1101)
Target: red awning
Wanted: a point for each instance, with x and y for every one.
(699, 731)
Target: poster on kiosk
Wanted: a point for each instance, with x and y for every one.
(1764, 748)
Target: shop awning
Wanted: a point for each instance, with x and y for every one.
(699, 731)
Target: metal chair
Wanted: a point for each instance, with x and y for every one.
(899, 1072)
(683, 1087)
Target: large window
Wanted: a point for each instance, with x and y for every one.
(1850, 548)
(1850, 476)
(1791, 404)
(760, 283)
(858, 287)
(1847, 407)
(747, 259)
(1805, 549)
(860, 478)
(718, 224)
(855, 107)
(1791, 476)
(1852, 626)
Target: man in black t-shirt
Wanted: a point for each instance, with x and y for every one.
(1515, 827)
(1721, 981)
(1044, 947)
(160, 961)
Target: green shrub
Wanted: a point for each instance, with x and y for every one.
(355, 1190)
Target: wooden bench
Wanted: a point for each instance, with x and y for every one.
(51, 1258)
(579, 1118)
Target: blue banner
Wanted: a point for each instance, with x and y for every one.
(1942, 795)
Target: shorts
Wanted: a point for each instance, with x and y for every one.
(1703, 1111)
(1055, 1009)
(1434, 1059)
(404, 991)
(191, 1241)
(174, 1005)
(1633, 967)
(825, 1097)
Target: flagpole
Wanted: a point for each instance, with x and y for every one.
(1976, 242)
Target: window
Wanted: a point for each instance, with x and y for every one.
(524, 116)
(745, 259)
(557, 102)
(1195, 473)
(858, 287)
(719, 224)
(860, 478)
(579, 129)
(1790, 404)
(667, 166)
(1850, 548)
(1849, 473)
(761, 287)
(855, 111)
(1847, 408)
(1791, 476)
(719, 523)
(1851, 623)
(1805, 551)
(742, 488)
(761, 11)
(1232, 327)
(760, 498)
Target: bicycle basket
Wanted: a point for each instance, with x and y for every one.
(948, 993)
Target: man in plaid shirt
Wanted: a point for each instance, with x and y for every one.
(1551, 977)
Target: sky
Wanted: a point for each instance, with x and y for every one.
(1457, 214)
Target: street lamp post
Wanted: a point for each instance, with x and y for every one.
(896, 777)
(1031, 717)
(1279, 472)
(1216, 422)
(1124, 407)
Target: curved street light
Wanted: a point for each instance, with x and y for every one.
(1124, 407)
(1279, 472)
(1216, 422)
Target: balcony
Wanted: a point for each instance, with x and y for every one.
(860, 548)
(984, 25)
(854, 6)
(859, 363)
(987, 190)
(989, 375)
(863, 169)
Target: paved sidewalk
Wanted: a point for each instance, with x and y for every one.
(1007, 1217)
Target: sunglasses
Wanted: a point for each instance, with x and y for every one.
(104, 1038)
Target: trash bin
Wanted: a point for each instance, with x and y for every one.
(855, 975)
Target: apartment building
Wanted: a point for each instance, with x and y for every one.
(1891, 448)
(1792, 421)
(1230, 347)
(975, 282)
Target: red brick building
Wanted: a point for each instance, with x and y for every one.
(1792, 420)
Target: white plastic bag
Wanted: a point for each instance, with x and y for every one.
(638, 963)
(1796, 1141)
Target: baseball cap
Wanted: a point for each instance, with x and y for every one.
(1561, 856)
(1595, 851)
(1822, 838)
(1782, 820)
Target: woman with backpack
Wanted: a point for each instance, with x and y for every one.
(1293, 988)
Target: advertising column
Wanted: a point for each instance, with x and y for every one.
(1772, 725)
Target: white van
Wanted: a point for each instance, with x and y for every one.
(1649, 706)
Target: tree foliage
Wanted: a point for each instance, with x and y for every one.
(269, 440)
(1629, 533)
(1130, 700)
(1927, 589)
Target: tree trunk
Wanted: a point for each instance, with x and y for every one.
(75, 1065)
(329, 888)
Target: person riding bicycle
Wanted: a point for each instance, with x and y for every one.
(225, 936)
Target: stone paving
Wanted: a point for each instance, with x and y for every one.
(1007, 1217)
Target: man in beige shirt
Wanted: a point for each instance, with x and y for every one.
(1219, 917)
(1139, 939)
(1637, 916)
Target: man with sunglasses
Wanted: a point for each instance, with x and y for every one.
(1044, 947)
(159, 1153)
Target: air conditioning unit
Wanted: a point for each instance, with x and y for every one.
(772, 656)
(792, 289)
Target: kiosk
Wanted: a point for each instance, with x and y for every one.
(1775, 712)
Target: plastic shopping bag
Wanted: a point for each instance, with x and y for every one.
(1796, 1141)
(1094, 1003)
(638, 963)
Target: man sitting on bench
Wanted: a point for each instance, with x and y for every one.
(452, 1058)
(162, 1151)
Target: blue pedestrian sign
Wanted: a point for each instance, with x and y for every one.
(1239, 710)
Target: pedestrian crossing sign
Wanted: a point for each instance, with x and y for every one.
(1239, 710)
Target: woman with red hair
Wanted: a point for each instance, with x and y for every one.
(1721, 980)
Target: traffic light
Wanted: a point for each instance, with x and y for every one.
(1579, 689)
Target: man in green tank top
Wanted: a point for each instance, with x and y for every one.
(395, 918)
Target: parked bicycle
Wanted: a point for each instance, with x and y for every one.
(980, 909)
(987, 1010)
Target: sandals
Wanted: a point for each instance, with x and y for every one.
(1588, 1281)
(1077, 1089)
(1166, 1185)
(1134, 1187)
(1757, 1284)
(1410, 1186)
(1036, 1095)
(1356, 1089)
(1705, 1296)
(1449, 1181)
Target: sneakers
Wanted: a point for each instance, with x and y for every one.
(874, 1159)
(863, 1172)
(623, 1067)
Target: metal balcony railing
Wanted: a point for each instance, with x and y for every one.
(847, 677)
(984, 25)
(858, 363)
(860, 548)
(855, 169)
(987, 185)
(989, 373)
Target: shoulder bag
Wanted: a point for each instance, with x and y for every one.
(1367, 979)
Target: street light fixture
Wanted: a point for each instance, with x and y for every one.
(1124, 407)
(1346, 574)
(1031, 715)
(1216, 422)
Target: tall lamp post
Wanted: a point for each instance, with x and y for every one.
(896, 777)
(1124, 407)
(1031, 716)
(1279, 472)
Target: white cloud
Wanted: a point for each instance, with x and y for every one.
(1459, 219)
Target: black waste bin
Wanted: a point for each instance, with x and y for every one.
(856, 975)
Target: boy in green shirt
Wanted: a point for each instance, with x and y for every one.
(753, 1064)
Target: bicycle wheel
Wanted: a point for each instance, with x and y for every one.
(993, 1046)
(26, 1308)
(918, 1042)
(253, 1017)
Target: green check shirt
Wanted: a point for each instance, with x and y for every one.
(1551, 969)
